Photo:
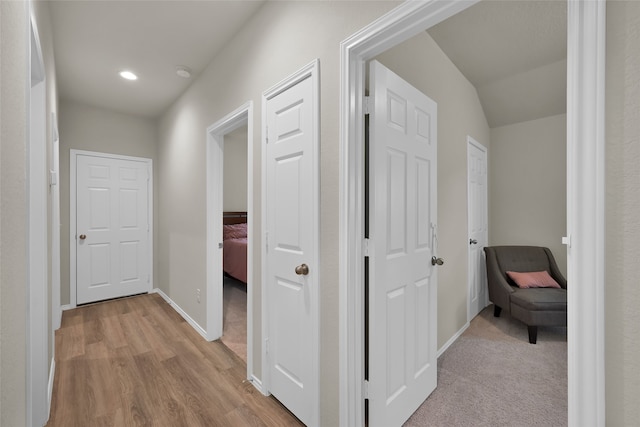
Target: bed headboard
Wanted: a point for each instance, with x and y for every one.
(234, 218)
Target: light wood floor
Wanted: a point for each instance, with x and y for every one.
(136, 362)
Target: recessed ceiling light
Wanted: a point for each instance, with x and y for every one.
(184, 72)
(128, 75)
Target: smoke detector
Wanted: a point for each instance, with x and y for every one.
(184, 72)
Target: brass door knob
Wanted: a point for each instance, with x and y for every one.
(302, 270)
(83, 236)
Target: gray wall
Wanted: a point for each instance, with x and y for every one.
(622, 293)
(13, 211)
(235, 170)
(83, 127)
(421, 62)
(528, 185)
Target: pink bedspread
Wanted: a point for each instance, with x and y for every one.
(235, 258)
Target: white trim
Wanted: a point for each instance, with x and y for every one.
(54, 189)
(586, 211)
(52, 376)
(199, 329)
(73, 156)
(258, 384)
(215, 206)
(453, 339)
(312, 71)
(66, 307)
(585, 181)
(37, 313)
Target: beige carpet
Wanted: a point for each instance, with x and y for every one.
(492, 376)
(234, 330)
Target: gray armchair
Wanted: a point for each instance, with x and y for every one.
(532, 306)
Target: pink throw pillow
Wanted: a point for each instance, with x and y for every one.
(234, 231)
(533, 279)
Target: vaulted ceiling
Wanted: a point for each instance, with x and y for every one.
(513, 52)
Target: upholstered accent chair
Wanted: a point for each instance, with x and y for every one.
(534, 306)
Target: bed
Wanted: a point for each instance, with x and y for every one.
(234, 252)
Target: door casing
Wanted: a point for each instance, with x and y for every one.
(73, 218)
(585, 196)
(243, 115)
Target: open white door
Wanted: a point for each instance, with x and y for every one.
(113, 227)
(292, 237)
(402, 277)
(478, 226)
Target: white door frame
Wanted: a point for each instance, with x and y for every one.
(312, 71)
(243, 115)
(54, 188)
(73, 285)
(485, 150)
(37, 236)
(585, 196)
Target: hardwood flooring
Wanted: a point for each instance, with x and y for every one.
(136, 362)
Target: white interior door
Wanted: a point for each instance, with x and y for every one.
(402, 279)
(478, 226)
(112, 228)
(292, 247)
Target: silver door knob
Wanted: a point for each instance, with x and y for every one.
(436, 261)
(473, 242)
(83, 236)
(302, 270)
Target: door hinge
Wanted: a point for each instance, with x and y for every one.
(266, 346)
(267, 132)
(365, 389)
(365, 247)
(148, 278)
(266, 240)
(368, 105)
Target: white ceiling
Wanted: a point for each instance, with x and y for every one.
(514, 52)
(95, 40)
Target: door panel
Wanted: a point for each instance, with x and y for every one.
(112, 211)
(402, 283)
(291, 227)
(478, 226)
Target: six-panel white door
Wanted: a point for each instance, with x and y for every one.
(478, 226)
(402, 279)
(112, 228)
(292, 240)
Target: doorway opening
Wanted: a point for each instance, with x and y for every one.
(234, 245)
(230, 201)
(585, 139)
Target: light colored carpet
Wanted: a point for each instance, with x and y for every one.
(234, 329)
(492, 376)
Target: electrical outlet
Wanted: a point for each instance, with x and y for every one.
(198, 294)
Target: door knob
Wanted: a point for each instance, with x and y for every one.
(438, 261)
(83, 236)
(473, 242)
(302, 270)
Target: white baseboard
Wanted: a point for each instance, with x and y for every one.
(199, 329)
(52, 375)
(258, 385)
(452, 339)
(66, 307)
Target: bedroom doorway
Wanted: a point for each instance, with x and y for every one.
(229, 293)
